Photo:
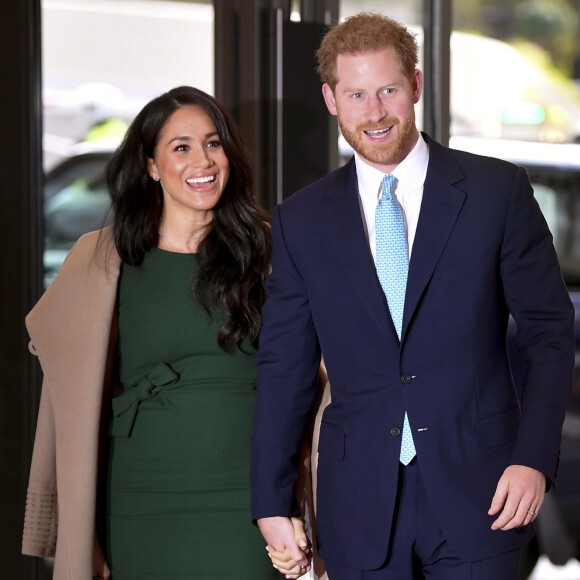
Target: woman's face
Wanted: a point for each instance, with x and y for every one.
(190, 164)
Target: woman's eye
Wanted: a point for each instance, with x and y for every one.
(214, 143)
(181, 148)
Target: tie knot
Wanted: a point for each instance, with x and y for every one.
(389, 184)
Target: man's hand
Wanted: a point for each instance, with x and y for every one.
(520, 491)
(280, 534)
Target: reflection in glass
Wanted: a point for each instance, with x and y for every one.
(513, 67)
(102, 61)
(515, 95)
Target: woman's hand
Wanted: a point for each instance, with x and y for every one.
(100, 567)
(283, 562)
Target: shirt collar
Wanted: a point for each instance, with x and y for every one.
(410, 172)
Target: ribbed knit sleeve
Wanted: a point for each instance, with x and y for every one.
(41, 516)
(40, 523)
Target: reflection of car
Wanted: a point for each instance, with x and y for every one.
(75, 200)
(554, 172)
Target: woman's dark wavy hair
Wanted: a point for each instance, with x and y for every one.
(234, 255)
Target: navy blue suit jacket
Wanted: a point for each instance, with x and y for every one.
(482, 251)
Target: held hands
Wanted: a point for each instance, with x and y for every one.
(288, 545)
(520, 491)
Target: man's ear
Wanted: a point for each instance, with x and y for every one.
(328, 95)
(417, 85)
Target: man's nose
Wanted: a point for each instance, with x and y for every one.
(376, 109)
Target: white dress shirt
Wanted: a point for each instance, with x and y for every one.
(410, 174)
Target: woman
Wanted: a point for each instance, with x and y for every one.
(161, 313)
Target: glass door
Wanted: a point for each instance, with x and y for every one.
(102, 60)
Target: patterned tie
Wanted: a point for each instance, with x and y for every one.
(392, 259)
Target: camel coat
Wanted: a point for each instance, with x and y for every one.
(73, 333)
(305, 488)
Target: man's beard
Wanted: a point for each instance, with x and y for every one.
(390, 153)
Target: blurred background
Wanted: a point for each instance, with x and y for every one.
(502, 79)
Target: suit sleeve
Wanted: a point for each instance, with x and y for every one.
(288, 363)
(539, 302)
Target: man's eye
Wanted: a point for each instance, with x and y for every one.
(357, 95)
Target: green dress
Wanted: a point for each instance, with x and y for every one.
(178, 498)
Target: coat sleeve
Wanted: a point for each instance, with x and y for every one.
(40, 521)
(539, 303)
(288, 364)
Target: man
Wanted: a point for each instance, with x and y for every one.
(429, 466)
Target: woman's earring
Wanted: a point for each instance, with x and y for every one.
(156, 178)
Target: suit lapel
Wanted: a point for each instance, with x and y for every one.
(347, 232)
(440, 208)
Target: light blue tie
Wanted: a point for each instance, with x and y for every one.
(392, 259)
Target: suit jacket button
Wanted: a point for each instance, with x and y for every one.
(406, 379)
(395, 431)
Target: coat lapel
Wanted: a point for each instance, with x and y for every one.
(440, 208)
(348, 234)
(70, 325)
